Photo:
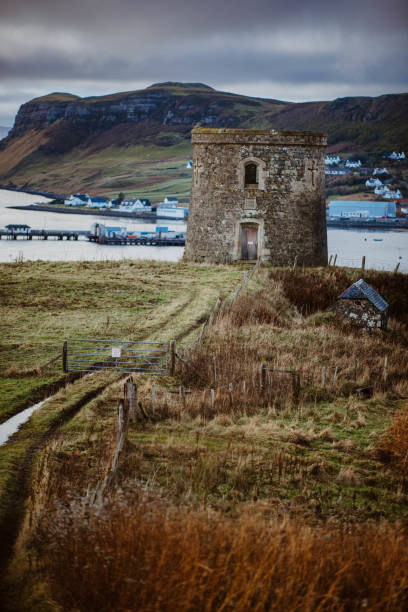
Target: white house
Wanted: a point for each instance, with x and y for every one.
(332, 160)
(371, 182)
(394, 155)
(171, 201)
(135, 205)
(99, 203)
(353, 164)
(77, 199)
(380, 171)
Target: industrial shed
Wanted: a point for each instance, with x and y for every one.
(361, 209)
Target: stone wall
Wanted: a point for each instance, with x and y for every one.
(286, 206)
(360, 313)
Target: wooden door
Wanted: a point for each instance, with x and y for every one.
(249, 243)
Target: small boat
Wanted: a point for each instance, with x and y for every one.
(377, 239)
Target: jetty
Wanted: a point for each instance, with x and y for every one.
(12, 232)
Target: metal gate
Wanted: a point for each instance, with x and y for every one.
(124, 356)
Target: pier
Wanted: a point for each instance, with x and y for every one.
(152, 241)
(12, 232)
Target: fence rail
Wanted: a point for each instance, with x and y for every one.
(89, 355)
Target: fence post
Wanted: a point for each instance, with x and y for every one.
(330, 260)
(263, 377)
(355, 370)
(153, 398)
(215, 371)
(363, 262)
(324, 377)
(385, 368)
(172, 364)
(296, 385)
(230, 394)
(212, 398)
(336, 369)
(397, 267)
(65, 357)
(335, 259)
(130, 397)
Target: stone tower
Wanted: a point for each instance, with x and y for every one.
(257, 193)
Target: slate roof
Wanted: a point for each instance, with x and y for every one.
(362, 291)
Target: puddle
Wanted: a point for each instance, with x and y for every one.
(8, 428)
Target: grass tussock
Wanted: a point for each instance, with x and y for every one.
(393, 446)
(134, 553)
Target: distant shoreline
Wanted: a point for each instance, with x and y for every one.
(380, 225)
(93, 212)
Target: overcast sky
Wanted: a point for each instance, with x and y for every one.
(286, 49)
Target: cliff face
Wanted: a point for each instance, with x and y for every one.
(165, 107)
(52, 132)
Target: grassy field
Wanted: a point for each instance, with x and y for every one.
(256, 496)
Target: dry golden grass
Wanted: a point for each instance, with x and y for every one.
(133, 552)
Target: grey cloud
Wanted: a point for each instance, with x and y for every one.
(81, 41)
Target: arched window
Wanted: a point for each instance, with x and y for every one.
(251, 174)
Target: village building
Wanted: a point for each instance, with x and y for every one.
(332, 160)
(361, 209)
(77, 199)
(135, 205)
(380, 171)
(257, 194)
(99, 203)
(371, 182)
(362, 306)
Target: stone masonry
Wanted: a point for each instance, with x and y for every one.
(257, 193)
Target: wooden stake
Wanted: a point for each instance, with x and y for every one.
(212, 398)
(263, 377)
(397, 267)
(363, 262)
(65, 356)
(335, 259)
(153, 398)
(330, 259)
(324, 377)
(172, 362)
(215, 371)
(385, 368)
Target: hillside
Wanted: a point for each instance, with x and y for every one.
(138, 141)
(258, 495)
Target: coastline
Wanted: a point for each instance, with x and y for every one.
(105, 212)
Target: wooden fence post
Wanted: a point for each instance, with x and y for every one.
(330, 260)
(363, 262)
(324, 377)
(212, 398)
(263, 377)
(385, 374)
(172, 362)
(153, 398)
(65, 357)
(397, 267)
(335, 259)
(215, 371)
(130, 397)
(296, 385)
